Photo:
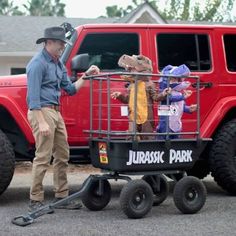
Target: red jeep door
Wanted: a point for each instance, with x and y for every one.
(193, 47)
(105, 45)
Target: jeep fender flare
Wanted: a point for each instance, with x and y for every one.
(20, 118)
(217, 114)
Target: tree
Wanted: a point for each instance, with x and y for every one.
(59, 8)
(7, 8)
(209, 10)
(45, 8)
(197, 10)
(114, 11)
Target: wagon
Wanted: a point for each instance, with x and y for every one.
(122, 154)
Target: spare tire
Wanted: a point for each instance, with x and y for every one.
(222, 158)
(7, 162)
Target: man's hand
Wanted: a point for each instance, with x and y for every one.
(114, 95)
(92, 70)
(44, 128)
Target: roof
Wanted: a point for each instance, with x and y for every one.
(19, 33)
(140, 11)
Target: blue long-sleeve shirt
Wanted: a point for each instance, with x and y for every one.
(45, 79)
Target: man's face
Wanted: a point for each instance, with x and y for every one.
(56, 47)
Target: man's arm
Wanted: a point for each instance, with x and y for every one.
(34, 82)
(72, 88)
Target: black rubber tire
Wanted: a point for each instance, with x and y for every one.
(136, 198)
(222, 158)
(200, 169)
(161, 195)
(189, 195)
(94, 200)
(7, 162)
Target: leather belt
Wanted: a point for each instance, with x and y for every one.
(54, 107)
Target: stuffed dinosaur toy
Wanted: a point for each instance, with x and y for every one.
(177, 97)
(146, 94)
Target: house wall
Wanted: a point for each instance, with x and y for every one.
(6, 63)
(147, 18)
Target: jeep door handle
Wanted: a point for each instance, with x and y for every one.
(203, 84)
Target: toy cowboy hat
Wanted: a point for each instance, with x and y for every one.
(54, 33)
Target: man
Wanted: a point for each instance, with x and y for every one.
(46, 76)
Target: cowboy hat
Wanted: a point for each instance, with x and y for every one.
(54, 33)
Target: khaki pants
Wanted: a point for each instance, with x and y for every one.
(55, 145)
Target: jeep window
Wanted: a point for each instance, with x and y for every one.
(105, 49)
(230, 51)
(190, 49)
(68, 49)
(18, 71)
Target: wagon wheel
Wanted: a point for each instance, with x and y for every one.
(189, 195)
(136, 198)
(160, 187)
(98, 195)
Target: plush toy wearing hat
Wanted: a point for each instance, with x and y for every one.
(177, 99)
(146, 94)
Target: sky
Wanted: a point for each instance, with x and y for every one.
(94, 8)
(86, 8)
(91, 8)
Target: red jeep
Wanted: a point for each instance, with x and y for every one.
(209, 52)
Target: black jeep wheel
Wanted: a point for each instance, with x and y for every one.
(189, 195)
(7, 162)
(222, 158)
(136, 198)
(160, 187)
(98, 195)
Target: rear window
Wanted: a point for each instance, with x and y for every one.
(190, 49)
(105, 49)
(230, 51)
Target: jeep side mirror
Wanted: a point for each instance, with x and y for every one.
(79, 63)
